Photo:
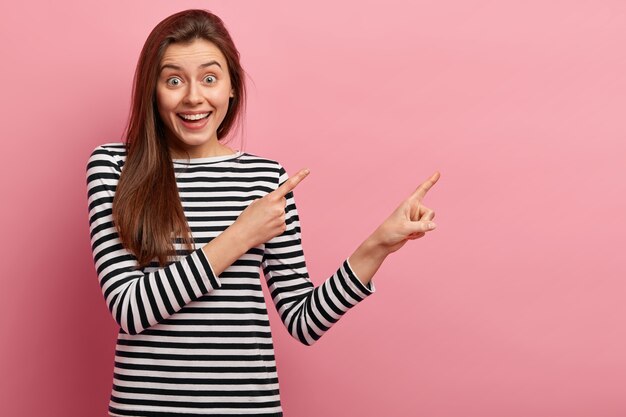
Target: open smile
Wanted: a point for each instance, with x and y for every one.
(194, 121)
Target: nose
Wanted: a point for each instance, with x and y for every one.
(194, 95)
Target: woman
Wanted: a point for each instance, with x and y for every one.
(181, 225)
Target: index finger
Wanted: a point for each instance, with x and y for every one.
(423, 188)
(291, 183)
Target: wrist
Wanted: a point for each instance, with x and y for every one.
(367, 258)
(237, 238)
(374, 246)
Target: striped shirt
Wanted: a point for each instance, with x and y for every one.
(192, 343)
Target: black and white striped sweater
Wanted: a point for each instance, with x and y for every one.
(192, 343)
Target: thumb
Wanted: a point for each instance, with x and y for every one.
(419, 226)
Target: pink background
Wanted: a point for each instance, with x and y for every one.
(514, 306)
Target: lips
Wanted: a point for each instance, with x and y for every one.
(194, 124)
(193, 117)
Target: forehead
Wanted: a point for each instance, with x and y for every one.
(195, 52)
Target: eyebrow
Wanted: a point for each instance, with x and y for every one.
(176, 67)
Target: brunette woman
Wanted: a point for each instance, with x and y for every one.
(181, 226)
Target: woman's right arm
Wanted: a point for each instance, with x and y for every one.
(138, 300)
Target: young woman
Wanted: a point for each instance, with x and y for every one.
(181, 226)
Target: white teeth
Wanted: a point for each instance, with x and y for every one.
(194, 116)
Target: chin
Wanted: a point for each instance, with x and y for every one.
(196, 142)
(192, 140)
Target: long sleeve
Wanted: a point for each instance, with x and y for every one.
(136, 299)
(306, 311)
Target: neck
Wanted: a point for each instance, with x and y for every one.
(213, 148)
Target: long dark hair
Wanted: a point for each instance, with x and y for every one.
(147, 222)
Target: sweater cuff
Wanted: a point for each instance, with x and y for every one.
(355, 282)
(209, 278)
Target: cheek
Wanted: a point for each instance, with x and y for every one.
(218, 94)
(164, 104)
(221, 98)
(164, 98)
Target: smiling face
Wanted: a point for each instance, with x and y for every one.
(193, 90)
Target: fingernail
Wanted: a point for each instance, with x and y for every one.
(306, 172)
(431, 225)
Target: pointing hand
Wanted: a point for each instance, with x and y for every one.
(264, 218)
(411, 220)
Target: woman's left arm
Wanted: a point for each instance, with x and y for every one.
(411, 220)
(307, 311)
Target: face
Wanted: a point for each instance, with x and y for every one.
(192, 92)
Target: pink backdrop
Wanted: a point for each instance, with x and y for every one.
(514, 306)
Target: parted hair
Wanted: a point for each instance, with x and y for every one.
(147, 212)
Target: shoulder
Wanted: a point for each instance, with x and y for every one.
(107, 155)
(257, 159)
(111, 149)
(261, 162)
(269, 165)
